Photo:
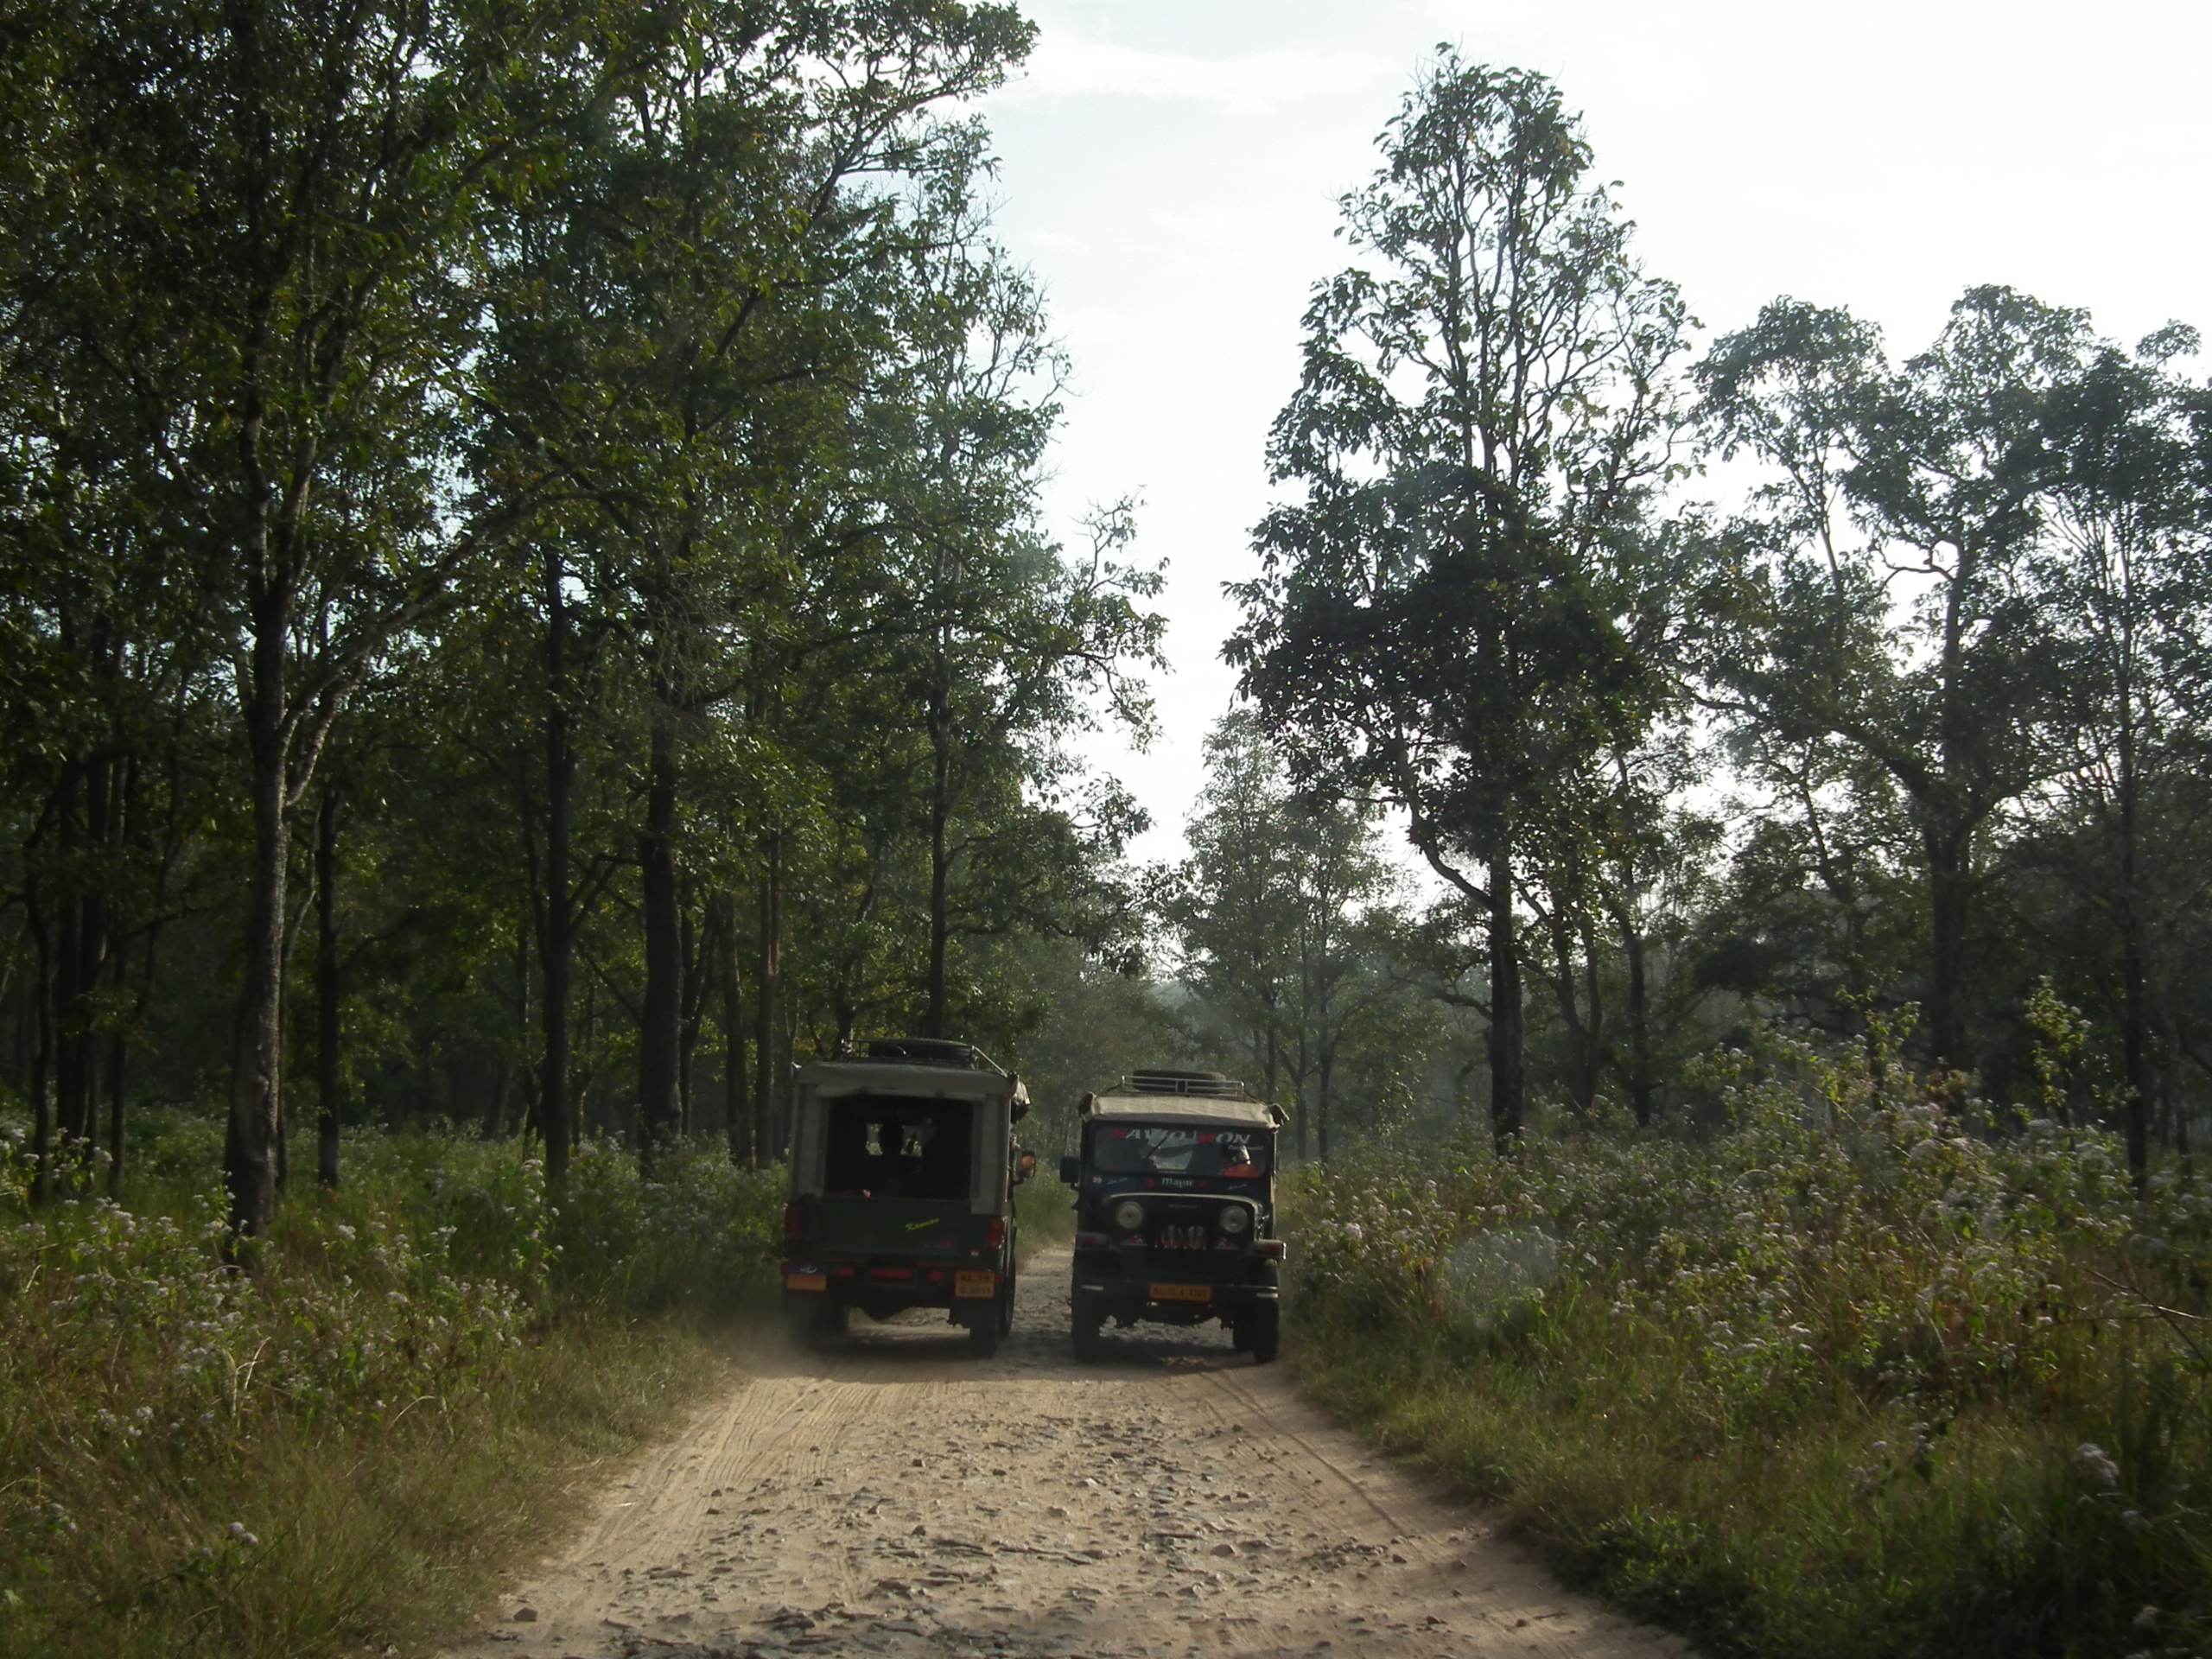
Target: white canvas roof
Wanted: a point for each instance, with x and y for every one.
(892, 1077)
(1188, 1108)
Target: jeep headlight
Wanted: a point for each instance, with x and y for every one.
(1236, 1220)
(1128, 1215)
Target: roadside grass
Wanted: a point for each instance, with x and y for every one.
(1844, 1379)
(423, 1377)
(1044, 1214)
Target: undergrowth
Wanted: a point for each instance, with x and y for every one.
(1044, 1211)
(1865, 1374)
(339, 1446)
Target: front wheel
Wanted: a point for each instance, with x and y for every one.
(1086, 1315)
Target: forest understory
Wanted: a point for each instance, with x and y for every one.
(1852, 1376)
(341, 1446)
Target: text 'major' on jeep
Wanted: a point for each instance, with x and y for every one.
(902, 1190)
(1175, 1216)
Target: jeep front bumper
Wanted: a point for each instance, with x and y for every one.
(1125, 1295)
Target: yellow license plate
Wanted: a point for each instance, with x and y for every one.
(806, 1282)
(1182, 1293)
(975, 1284)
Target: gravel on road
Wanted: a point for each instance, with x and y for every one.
(898, 1498)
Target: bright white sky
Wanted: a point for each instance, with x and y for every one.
(1170, 168)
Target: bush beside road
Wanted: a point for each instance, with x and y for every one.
(1862, 1373)
(419, 1376)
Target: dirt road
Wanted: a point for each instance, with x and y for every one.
(901, 1498)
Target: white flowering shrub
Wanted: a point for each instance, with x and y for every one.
(1909, 1358)
(1830, 1234)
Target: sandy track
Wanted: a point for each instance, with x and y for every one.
(901, 1498)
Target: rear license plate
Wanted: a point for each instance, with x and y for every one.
(1182, 1293)
(975, 1284)
(806, 1282)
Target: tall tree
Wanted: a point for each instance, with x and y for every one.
(262, 253)
(1887, 600)
(2127, 574)
(684, 314)
(1482, 416)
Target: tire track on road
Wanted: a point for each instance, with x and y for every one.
(898, 1498)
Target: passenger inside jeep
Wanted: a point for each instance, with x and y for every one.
(896, 1147)
(1151, 1148)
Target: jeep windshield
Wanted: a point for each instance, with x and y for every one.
(1165, 1149)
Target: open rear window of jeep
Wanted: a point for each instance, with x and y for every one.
(899, 1147)
(1153, 1149)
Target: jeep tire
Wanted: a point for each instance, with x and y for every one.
(817, 1326)
(1262, 1332)
(1086, 1315)
(983, 1335)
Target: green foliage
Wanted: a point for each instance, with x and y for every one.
(1843, 1377)
(1293, 952)
(438, 1311)
(698, 1229)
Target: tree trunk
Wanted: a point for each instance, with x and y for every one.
(42, 1060)
(1639, 1023)
(85, 945)
(1949, 898)
(513, 1073)
(935, 1020)
(694, 1000)
(2134, 1016)
(554, 938)
(1272, 1046)
(119, 1071)
(1594, 1000)
(1582, 1034)
(737, 1107)
(249, 1148)
(1326, 1064)
(73, 1068)
(660, 1018)
(1507, 1079)
(327, 1033)
(767, 1140)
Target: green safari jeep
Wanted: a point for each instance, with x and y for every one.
(902, 1174)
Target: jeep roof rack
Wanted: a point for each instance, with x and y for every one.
(1206, 1085)
(929, 1051)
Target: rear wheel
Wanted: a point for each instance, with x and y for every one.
(1265, 1336)
(816, 1323)
(1006, 1308)
(1084, 1317)
(983, 1336)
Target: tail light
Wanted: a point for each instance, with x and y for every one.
(994, 1235)
(1091, 1240)
(794, 1221)
(1269, 1250)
